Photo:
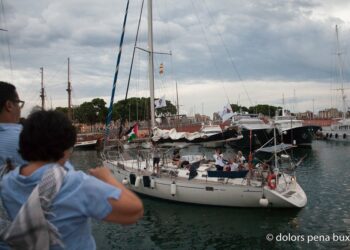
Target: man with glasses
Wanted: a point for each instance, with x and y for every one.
(10, 113)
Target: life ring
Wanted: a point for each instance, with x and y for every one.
(272, 181)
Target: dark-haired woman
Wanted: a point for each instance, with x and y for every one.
(46, 141)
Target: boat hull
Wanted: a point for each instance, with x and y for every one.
(91, 144)
(336, 135)
(300, 136)
(208, 193)
(259, 138)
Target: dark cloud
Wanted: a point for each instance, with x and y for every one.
(210, 40)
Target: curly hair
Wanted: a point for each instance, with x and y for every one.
(45, 136)
(7, 92)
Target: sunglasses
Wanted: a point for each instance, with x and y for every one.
(20, 103)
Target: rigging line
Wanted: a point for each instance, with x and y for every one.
(230, 56)
(210, 51)
(109, 115)
(7, 39)
(133, 53)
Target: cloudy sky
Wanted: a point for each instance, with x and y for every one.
(245, 52)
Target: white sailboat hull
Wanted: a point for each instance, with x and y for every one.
(234, 193)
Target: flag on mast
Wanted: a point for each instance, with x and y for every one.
(226, 113)
(160, 103)
(133, 133)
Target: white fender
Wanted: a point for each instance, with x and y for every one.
(125, 181)
(263, 202)
(173, 188)
(153, 183)
(137, 181)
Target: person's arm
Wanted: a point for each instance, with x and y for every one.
(128, 208)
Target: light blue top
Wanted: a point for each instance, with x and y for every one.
(9, 140)
(81, 197)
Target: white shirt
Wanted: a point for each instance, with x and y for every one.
(241, 159)
(218, 159)
(234, 166)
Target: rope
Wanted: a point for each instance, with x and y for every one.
(7, 39)
(133, 53)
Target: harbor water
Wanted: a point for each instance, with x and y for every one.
(323, 224)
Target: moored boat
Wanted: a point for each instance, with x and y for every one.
(194, 179)
(246, 188)
(294, 132)
(88, 140)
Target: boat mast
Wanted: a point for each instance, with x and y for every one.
(177, 103)
(42, 95)
(341, 77)
(150, 61)
(283, 111)
(69, 90)
(275, 144)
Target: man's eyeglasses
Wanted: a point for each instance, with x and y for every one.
(20, 103)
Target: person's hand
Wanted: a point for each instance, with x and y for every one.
(101, 173)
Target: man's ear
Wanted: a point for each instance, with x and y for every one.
(8, 106)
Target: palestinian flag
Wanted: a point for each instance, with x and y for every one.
(133, 133)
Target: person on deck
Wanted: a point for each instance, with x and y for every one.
(234, 166)
(176, 157)
(10, 113)
(240, 158)
(46, 143)
(219, 159)
(156, 158)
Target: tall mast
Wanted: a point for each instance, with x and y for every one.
(177, 102)
(150, 61)
(341, 78)
(42, 93)
(283, 111)
(69, 90)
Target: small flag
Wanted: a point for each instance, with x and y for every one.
(226, 113)
(133, 133)
(160, 103)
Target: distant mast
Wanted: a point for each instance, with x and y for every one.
(341, 75)
(42, 94)
(69, 90)
(150, 61)
(177, 103)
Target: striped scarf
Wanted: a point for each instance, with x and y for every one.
(30, 229)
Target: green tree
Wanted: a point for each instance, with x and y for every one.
(237, 108)
(169, 110)
(100, 109)
(86, 113)
(138, 109)
(264, 109)
(62, 109)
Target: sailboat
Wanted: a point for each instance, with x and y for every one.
(339, 131)
(194, 179)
